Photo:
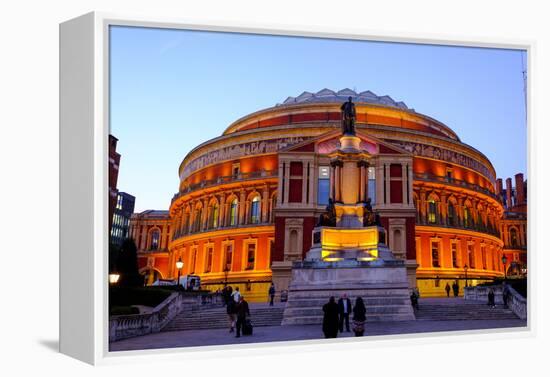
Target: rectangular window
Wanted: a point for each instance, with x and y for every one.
(483, 257)
(372, 185)
(250, 256)
(323, 185)
(471, 256)
(435, 254)
(208, 264)
(193, 260)
(454, 254)
(228, 257)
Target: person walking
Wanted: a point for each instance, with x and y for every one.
(236, 295)
(447, 289)
(455, 289)
(414, 299)
(271, 294)
(505, 294)
(359, 317)
(330, 318)
(242, 311)
(231, 311)
(491, 298)
(344, 309)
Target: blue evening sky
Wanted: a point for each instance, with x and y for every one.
(172, 90)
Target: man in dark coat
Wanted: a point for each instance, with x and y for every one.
(344, 308)
(330, 319)
(447, 289)
(242, 311)
(271, 294)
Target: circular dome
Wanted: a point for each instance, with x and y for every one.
(330, 96)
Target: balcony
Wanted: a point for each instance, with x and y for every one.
(440, 223)
(226, 179)
(426, 177)
(179, 235)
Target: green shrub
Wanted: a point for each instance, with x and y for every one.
(123, 310)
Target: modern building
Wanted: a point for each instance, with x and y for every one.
(249, 199)
(124, 208)
(114, 162)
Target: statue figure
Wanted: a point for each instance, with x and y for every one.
(369, 217)
(348, 117)
(328, 218)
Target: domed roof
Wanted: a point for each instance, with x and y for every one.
(330, 96)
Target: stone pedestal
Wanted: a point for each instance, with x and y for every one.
(349, 258)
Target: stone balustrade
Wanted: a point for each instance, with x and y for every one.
(127, 326)
(516, 302)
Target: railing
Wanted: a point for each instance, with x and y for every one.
(515, 302)
(127, 326)
(226, 179)
(455, 182)
(459, 225)
(178, 235)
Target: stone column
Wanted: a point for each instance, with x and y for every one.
(332, 182)
(287, 181)
(443, 209)
(380, 183)
(387, 183)
(411, 181)
(242, 205)
(362, 181)
(143, 237)
(422, 206)
(265, 203)
(221, 214)
(337, 172)
(404, 183)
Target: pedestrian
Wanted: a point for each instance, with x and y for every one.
(491, 298)
(414, 300)
(231, 311)
(447, 289)
(271, 294)
(455, 289)
(330, 318)
(344, 309)
(505, 294)
(236, 295)
(242, 311)
(359, 317)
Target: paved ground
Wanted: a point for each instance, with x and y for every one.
(285, 333)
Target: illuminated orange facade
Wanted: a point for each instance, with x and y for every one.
(249, 199)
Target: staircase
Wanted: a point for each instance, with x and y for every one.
(448, 309)
(216, 318)
(306, 308)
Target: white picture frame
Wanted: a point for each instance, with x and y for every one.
(84, 129)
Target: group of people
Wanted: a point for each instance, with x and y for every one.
(237, 309)
(336, 314)
(455, 289)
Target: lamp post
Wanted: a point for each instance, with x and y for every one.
(226, 272)
(179, 266)
(466, 275)
(113, 277)
(504, 260)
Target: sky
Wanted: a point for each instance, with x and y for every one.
(174, 89)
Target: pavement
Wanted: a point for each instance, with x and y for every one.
(191, 338)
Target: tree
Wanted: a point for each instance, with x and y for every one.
(127, 265)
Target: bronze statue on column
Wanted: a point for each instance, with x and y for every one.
(348, 118)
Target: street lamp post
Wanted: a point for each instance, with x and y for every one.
(179, 266)
(465, 275)
(504, 260)
(226, 272)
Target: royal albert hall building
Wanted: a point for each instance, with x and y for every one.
(249, 199)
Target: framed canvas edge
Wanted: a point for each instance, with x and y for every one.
(102, 22)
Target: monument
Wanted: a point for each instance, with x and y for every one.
(349, 252)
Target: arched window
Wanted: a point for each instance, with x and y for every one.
(467, 217)
(213, 216)
(155, 240)
(432, 211)
(197, 220)
(513, 237)
(255, 210)
(451, 212)
(233, 214)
